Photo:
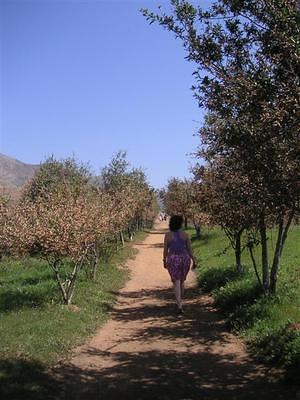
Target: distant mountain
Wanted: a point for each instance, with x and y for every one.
(14, 175)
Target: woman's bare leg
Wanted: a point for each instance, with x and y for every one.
(177, 292)
(182, 289)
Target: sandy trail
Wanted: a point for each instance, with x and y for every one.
(145, 351)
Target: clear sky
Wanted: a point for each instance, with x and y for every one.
(90, 78)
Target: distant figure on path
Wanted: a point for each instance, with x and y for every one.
(177, 257)
(162, 216)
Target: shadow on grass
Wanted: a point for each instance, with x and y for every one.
(281, 346)
(26, 380)
(216, 277)
(244, 303)
(273, 347)
(32, 278)
(16, 298)
(205, 237)
(236, 294)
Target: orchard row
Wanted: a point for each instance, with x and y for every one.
(69, 217)
(247, 73)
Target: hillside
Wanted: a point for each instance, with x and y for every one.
(14, 174)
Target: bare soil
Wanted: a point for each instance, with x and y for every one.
(145, 351)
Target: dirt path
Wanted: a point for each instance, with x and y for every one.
(147, 352)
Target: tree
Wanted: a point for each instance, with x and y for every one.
(182, 197)
(226, 196)
(4, 216)
(130, 193)
(59, 226)
(54, 174)
(247, 76)
(176, 198)
(67, 218)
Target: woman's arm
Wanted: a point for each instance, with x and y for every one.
(165, 253)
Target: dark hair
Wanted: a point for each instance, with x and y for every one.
(175, 223)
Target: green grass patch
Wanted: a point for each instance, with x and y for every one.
(268, 324)
(37, 330)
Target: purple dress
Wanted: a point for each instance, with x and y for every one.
(178, 258)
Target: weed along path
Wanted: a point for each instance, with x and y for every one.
(146, 352)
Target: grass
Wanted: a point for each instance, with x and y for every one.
(266, 323)
(37, 330)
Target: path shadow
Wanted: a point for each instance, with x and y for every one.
(157, 232)
(156, 374)
(151, 246)
(199, 321)
(209, 374)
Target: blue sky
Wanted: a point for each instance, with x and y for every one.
(93, 77)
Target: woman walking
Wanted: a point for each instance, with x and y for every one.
(177, 257)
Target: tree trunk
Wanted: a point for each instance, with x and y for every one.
(185, 222)
(116, 241)
(95, 267)
(264, 253)
(197, 229)
(276, 259)
(255, 267)
(55, 266)
(281, 237)
(122, 238)
(287, 227)
(129, 233)
(72, 281)
(238, 251)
